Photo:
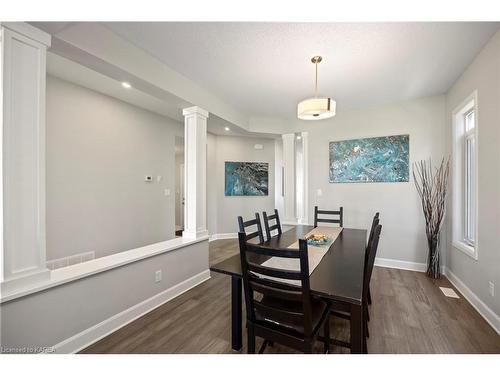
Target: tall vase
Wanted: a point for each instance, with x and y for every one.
(433, 261)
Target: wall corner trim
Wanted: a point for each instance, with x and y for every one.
(488, 314)
(93, 334)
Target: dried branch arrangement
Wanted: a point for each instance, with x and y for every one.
(432, 188)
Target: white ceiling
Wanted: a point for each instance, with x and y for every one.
(264, 69)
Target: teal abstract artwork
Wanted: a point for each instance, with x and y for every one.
(246, 178)
(380, 159)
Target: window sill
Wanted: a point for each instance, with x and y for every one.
(466, 249)
(78, 271)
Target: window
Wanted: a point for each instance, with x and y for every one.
(464, 215)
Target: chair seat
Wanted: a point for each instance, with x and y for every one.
(318, 311)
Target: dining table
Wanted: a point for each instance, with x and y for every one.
(337, 277)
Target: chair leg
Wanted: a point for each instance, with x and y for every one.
(251, 339)
(369, 296)
(327, 334)
(367, 313)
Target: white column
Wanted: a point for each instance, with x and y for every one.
(22, 75)
(289, 203)
(195, 172)
(302, 179)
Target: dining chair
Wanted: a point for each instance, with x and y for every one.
(276, 226)
(341, 310)
(339, 213)
(245, 224)
(375, 221)
(279, 305)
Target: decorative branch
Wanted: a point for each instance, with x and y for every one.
(432, 189)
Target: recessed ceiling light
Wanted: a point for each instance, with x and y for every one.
(227, 128)
(126, 85)
(299, 137)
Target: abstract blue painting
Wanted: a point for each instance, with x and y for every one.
(246, 178)
(381, 159)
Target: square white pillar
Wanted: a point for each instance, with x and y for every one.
(23, 51)
(289, 203)
(302, 175)
(195, 172)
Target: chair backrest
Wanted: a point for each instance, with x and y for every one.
(370, 260)
(375, 221)
(256, 278)
(276, 226)
(245, 224)
(339, 213)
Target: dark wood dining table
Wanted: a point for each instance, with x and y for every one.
(338, 277)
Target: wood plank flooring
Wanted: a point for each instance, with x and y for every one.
(409, 314)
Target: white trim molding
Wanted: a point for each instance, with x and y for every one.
(457, 232)
(95, 333)
(400, 264)
(222, 236)
(487, 313)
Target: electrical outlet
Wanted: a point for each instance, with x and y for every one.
(158, 276)
(492, 289)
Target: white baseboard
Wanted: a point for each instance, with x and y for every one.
(95, 333)
(222, 236)
(488, 314)
(403, 265)
(400, 264)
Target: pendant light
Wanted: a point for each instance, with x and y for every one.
(316, 108)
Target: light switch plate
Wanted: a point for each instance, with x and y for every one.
(158, 276)
(166, 192)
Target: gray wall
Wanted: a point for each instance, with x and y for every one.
(98, 151)
(482, 75)
(51, 316)
(222, 210)
(403, 235)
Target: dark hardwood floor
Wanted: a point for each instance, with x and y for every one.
(409, 314)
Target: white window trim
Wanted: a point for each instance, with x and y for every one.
(458, 178)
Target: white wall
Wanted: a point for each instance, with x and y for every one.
(403, 234)
(482, 75)
(222, 210)
(98, 151)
